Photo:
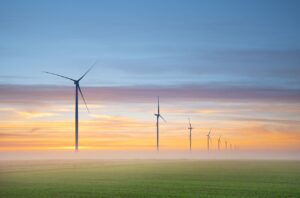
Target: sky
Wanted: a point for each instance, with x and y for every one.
(230, 66)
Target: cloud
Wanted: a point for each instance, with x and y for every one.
(17, 114)
(247, 115)
(117, 132)
(41, 95)
(35, 114)
(5, 77)
(278, 63)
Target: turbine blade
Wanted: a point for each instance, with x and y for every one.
(91, 67)
(158, 105)
(59, 75)
(83, 99)
(162, 118)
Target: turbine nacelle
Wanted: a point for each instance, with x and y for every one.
(208, 135)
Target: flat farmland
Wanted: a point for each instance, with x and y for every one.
(150, 178)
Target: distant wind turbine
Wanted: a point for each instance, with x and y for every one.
(208, 139)
(226, 145)
(77, 88)
(157, 124)
(190, 128)
(219, 144)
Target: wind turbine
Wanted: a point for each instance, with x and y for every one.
(226, 144)
(190, 128)
(77, 88)
(208, 139)
(157, 124)
(219, 144)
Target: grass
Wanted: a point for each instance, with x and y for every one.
(146, 178)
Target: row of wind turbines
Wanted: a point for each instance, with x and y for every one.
(157, 115)
(190, 128)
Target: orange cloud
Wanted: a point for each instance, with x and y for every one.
(35, 114)
(119, 133)
(131, 126)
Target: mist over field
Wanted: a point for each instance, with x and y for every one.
(144, 155)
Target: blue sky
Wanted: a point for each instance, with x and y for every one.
(245, 43)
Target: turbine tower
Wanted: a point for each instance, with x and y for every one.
(190, 128)
(157, 124)
(219, 144)
(208, 139)
(77, 88)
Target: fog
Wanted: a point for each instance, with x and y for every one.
(196, 155)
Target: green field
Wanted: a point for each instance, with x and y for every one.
(149, 178)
